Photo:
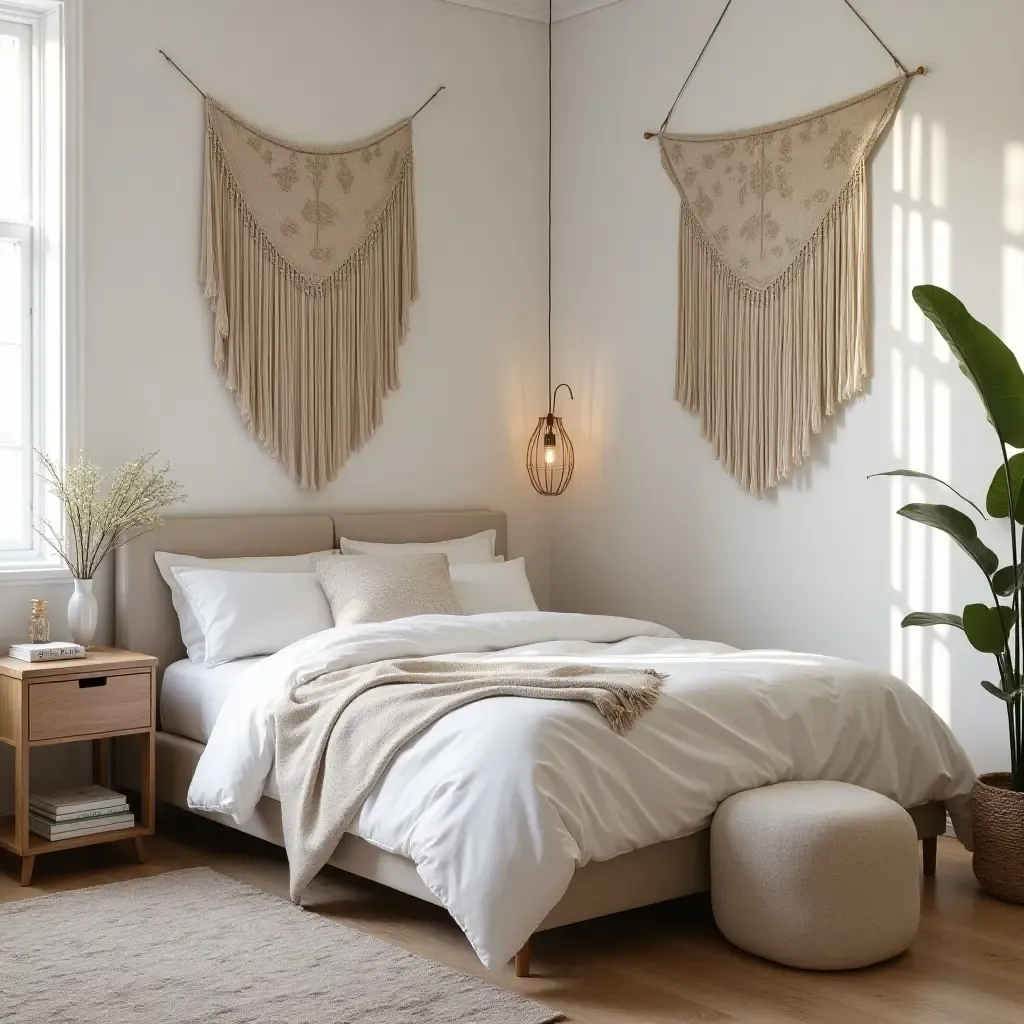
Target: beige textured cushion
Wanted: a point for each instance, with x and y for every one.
(378, 588)
(820, 875)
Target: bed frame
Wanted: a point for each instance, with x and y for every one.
(146, 622)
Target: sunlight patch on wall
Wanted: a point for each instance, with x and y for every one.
(1013, 187)
(942, 273)
(915, 274)
(898, 292)
(920, 568)
(916, 154)
(897, 153)
(938, 162)
(1013, 299)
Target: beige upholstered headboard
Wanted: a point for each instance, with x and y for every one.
(144, 617)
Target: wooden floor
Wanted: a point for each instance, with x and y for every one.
(660, 964)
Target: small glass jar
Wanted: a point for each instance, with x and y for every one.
(38, 624)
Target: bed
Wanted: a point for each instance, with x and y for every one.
(194, 696)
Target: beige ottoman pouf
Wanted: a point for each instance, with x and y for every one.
(820, 875)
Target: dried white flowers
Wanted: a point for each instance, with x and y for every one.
(98, 523)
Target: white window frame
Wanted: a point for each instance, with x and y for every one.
(50, 242)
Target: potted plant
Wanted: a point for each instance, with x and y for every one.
(98, 523)
(994, 628)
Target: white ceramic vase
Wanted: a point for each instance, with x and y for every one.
(83, 613)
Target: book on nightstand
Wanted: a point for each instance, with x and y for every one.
(84, 811)
(46, 652)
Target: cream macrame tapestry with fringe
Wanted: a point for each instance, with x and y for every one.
(309, 262)
(773, 251)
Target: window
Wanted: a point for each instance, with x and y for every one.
(33, 275)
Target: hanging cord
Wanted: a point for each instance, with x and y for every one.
(182, 73)
(437, 92)
(898, 62)
(552, 395)
(671, 110)
(551, 107)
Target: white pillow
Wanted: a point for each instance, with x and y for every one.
(461, 551)
(243, 614)
(493, 587)
(191, 634)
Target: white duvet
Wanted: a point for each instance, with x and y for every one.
(499, 802)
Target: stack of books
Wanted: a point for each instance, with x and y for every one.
(84, 811)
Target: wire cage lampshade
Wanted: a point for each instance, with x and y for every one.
(549, 455)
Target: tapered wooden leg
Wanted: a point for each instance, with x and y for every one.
(929, 848)
(523, 961)
(27, 864)
(140, 850)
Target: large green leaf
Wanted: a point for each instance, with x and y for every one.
(997, 501)
(984, 359)
(932, 619)
(988, 629)
(1005, 581)
(958, 526)
(928, 476)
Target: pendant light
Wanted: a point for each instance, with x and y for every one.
(549, 455)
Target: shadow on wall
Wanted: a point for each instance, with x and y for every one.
(923, 374)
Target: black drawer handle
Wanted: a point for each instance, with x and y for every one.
(85, 684)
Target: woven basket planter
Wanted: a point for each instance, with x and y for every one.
(999, 837)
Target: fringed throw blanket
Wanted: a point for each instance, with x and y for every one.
(336, 735)
(309, 262)
(773, 250)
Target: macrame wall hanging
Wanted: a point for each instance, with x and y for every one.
(773, 263)
(309, 263)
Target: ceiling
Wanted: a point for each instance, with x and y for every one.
(535, 10)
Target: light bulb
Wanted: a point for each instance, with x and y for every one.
(549, 454)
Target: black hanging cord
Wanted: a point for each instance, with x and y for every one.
(671, 110)
(182, 73)
(860, 18)
(551, 13)
(437, 92)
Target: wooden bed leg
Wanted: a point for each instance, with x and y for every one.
(523, 961)
(929, 848)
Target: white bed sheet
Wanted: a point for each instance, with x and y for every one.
(192, 695)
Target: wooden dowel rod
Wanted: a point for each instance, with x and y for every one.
(919, 70)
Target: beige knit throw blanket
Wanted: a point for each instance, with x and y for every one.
(336, 735)
(309, 262)
(773, 252)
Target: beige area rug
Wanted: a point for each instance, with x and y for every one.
(198, 947)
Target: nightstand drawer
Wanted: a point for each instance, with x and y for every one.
(84, 707)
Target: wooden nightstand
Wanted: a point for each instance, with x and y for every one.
(106, 694)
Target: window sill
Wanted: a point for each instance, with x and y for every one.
(23, 574)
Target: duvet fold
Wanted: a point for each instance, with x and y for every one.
(337, 734)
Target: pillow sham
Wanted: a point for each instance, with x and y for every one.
(493, 587)
(479, 547)
(378, 588)
(245, 614)
(191, 634)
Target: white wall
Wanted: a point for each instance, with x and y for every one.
(652, 525)
(319, 71)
